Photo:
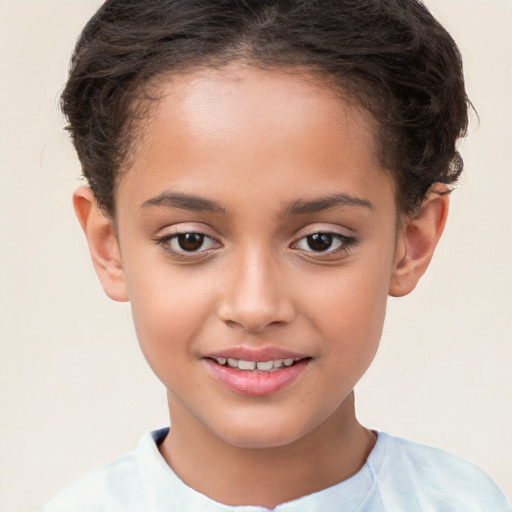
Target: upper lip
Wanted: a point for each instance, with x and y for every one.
(256, 354)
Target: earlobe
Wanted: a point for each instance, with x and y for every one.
(417, 240)
(103, 244)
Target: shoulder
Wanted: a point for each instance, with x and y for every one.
(109, 488)
(118, 486)
(423, 474)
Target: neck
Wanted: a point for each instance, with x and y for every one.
(329, 454)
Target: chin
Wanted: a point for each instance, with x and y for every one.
(261, 435)
(259, 441)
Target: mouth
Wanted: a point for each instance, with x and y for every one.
(269, 366)
(256, 373)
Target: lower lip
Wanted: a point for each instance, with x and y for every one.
(254, 383)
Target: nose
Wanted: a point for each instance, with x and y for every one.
(255, 295)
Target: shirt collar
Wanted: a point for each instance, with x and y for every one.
(167, 492)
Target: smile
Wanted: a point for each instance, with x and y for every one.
(261, 366)
(256, 378)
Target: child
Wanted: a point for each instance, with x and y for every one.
(261, 176)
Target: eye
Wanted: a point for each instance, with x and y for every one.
(188, 242)
(324, 243)
(192, 243)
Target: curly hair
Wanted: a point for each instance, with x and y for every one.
(389, 56)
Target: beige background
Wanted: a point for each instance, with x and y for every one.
(74, 390)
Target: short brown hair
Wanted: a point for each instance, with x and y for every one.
(391, 56)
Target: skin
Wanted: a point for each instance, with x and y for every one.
(259, 144)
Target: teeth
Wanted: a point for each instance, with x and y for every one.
(246, 365)
(263, 366)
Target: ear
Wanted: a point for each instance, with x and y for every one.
(417, 240)
(103, 244)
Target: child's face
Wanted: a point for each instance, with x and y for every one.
(293, 255)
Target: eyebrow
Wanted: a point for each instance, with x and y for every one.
(299, 207)
(302, 206)
(184, 201)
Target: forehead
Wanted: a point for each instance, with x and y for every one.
(245, 96)
(254, 127)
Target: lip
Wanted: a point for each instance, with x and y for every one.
(254, 383)
(258, 355)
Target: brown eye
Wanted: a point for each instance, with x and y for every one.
(190, 241)
(188, 246)
(319, 242)
(324, 244)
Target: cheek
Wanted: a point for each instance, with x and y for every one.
(168, 312)
(355, 330)
(353, 298)
(348, 308)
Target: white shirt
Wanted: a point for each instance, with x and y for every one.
(399, 476)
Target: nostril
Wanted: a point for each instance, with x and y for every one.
(256, 321)
(255, 301)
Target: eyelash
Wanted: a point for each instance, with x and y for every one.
(345, 244)
(165, 242)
